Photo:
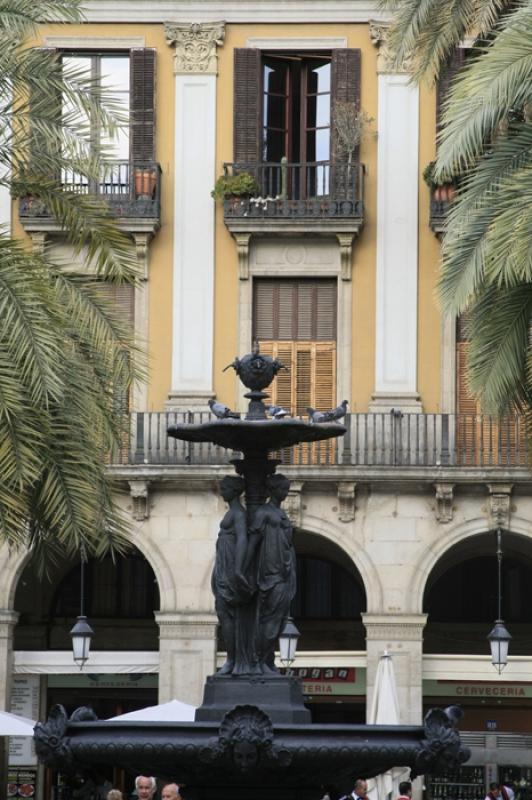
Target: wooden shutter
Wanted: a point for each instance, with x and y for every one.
(483, 440)
(310, 381)
(142, 104)
(294, 310)
(44, 106)
(447, 75)
(345, 88)
(247, 105)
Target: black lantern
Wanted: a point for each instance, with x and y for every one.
(82, 632)
(288, 642)
(499, 638)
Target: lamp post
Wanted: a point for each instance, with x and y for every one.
(288, 642)
(499, 638)
(82, 632)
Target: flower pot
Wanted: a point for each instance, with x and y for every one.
(145, 184)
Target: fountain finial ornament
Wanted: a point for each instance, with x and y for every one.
(255, 370)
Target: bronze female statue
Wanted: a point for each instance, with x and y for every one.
(232, 591)
(271, 533)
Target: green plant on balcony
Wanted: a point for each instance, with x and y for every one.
(241, 185)
(442, 192)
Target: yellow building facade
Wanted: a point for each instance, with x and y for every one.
(331, 261)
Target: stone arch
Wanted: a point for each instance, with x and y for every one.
(455, 535)
(15, 561)
(339, 536)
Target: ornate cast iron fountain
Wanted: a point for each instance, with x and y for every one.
(252, 737)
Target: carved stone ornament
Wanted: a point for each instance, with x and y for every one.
(246, 739)
(195, 46)
(345, 240)
(499, 504)
(242, 248)
(444, 502)
(139, 491)
(292, 504)
(346, 501)
(378, 32)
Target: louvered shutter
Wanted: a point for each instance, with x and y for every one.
(483, 440)
(447, 75)
(142, 105)
(247, 101)
(345, 88)
(121, 302)
(297, 310)
(44, 107)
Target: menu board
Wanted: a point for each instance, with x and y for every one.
(25, 696)
(21, 782)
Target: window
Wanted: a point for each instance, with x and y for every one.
(284, 103)
(295, 321)
(129, 78)
(296, 108)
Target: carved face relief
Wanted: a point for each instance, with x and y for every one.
(245, 756)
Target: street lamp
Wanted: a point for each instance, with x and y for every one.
(288, 642)
(499, 638)
(82, 632)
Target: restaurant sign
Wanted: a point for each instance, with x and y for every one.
(477, 689)
(331, 681)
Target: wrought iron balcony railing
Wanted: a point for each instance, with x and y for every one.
(130, 189)
(372, 440)
(319, 189)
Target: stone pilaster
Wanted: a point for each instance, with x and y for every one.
(401, 635)
(8, 620)
(187, 654)
(397, 234)
(195, 71)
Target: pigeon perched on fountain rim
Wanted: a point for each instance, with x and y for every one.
(222, 411)
(328, 416)
(277, 412)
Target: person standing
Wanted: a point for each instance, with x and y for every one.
(170, 792)
(359, 792)
(494, 792)
(145, 787)
(405, 791)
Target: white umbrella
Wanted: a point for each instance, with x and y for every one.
(13, 725)
(174, 711)
(385, 711)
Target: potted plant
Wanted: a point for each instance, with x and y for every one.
(240, 185)
(350, 124)
(442, 192)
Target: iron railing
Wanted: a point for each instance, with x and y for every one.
(319, 189)
(130, 189)
(380, 440)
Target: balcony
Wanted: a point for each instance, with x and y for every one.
(318, 197)
(131, 190)
(392, 446)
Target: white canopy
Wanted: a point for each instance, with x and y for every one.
(174, 711)
(13, 725)
(385, 711)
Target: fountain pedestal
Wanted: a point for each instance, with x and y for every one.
(280, 696)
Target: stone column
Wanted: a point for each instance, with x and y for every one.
(397, 234)
(187, 654)
(401, 635)
(195, 69)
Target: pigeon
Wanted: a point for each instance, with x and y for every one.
(317, 416)
(328, 416)
(277, 412)
(338, 412)
(221, 411)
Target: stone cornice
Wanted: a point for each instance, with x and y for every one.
(195, 46)
(232, 11)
